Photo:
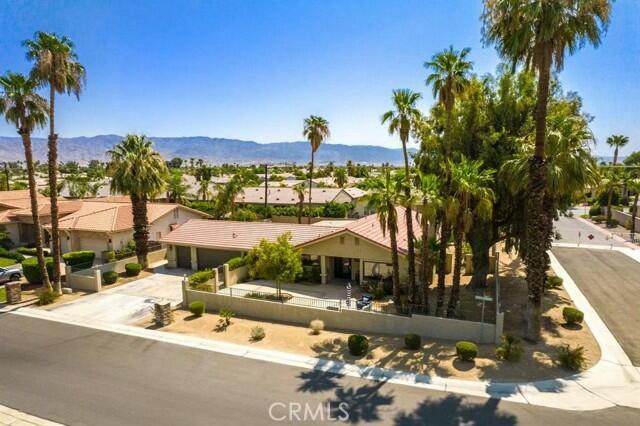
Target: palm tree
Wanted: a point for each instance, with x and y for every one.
(429, 187)
(449, 78)
(176, 188)
(616, 142)
(539, 34)
(25, 109)
(55, 65)
(299, 189)
(384, 195)
(402, 120)
(340, 176)
(140, 171)
(472, 196)
(316, 130)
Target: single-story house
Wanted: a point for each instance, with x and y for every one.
(286, 197)
(355, 251)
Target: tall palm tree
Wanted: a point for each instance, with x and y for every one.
(316, 130)
(539, 34)
(430, 200)
(384, 195)
(402, 120)
(25, 109)
(299, 189)
(176, 188)
(449, 78)
(471, 196)
(140, 171)
(56, 66)
(616, 142)
(340, 176)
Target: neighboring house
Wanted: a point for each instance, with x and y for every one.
(20, 231)
(355, 251)
(284, 197)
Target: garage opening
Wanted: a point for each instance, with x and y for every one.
(183, 257)
(209, 258)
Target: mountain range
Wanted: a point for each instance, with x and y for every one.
(213, 150)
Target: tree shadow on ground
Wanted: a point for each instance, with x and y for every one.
(363, 403)
(314, 381)
(454, 410)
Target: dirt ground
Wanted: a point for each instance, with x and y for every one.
(437, 357)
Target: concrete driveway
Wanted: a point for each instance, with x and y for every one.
(128, 303)
(609, 279)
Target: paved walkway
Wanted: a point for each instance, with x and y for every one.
(9, 416)
(127, 303)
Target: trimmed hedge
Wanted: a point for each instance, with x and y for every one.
(358, 344)
(553, 282)
(31, 271)
(200, 277)
(110, 277)
(412, 341)
(109, 256)
(572, 315)
(132, 269)
(196, 308)
(595, 210)
(466, 351)
(30, 251)
(11, 255)
(236, 262)
(79, 258)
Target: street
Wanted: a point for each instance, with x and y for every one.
(81, 376)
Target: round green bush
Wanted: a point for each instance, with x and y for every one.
(612, 223)
(133, 269)
(412, 341)
(110, 277)
(595, 210)
(109, 256)
(31, 271)
(553, 282)
(466, 351)
(79, 258)
(196, 308)
(358, 344)
(572, 315)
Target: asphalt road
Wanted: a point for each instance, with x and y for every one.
(80, 376)
(611, 282)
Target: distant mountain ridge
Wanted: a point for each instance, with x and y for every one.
(213, 150)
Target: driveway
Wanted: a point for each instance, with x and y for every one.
(128, 303)
(609, 279)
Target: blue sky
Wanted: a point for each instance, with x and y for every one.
(254, 69)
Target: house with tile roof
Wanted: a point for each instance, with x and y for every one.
(354, 250)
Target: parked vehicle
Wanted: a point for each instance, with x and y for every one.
(10, 274)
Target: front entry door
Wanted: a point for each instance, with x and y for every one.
(342, 267)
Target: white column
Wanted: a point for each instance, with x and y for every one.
(323, 270)
(361, 263)
(194, 259)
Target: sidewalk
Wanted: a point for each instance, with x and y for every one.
(9, 416)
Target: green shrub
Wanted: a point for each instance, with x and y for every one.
(109, 256)
(412, 341)
(132, 269)
(200, 277)
(11, 255)
(225, 319)
(46, 297)
(510, 349)
(196, 308)
(585, 216)
(595, 210)
(79, 258)
(466, 351)
(236, 262)
(387, 286)
(603, 198)
(572, 315)
(572, 358)
(553, 282)
(599, 219)
(358, 344)
(27, 251)
(110, 277)
(316, 326)
(257, 333)
(31, 271)
(612, 223)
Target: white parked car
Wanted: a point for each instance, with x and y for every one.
(10, 274)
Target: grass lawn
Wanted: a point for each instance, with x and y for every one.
(3, 295)
(6, 262)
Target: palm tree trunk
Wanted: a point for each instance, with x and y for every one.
(615, 156)
(409, 219)
(609, 201)
(634, 213)
(140, 227)
(395, 264)
(33, 194)
(445, 232)
(426, 268)
(537, 238)
(300, 208)
(458, 233)
(53, 192)
(310, 181)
